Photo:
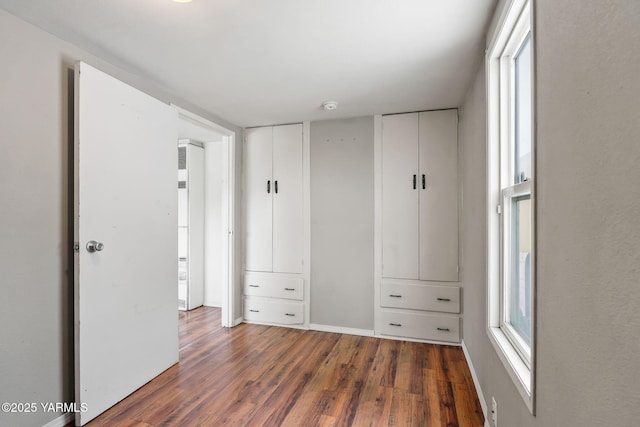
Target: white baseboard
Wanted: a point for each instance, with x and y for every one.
(476, 383)
(238, 321)
(61, 421)
(397, 338)
(341, 330)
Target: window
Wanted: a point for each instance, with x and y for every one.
(511, 198)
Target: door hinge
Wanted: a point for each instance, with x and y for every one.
(499, 209)
(76, 247)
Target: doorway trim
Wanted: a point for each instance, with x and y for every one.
(228, 197)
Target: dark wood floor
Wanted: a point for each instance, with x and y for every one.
(255, 375)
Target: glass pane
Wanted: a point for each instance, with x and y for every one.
(519, 299)
(522, 160)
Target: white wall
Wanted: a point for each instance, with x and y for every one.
(342, 223)
(588, 240)
(36, 353)
(214, 235)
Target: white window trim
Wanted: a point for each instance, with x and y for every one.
(516, 18)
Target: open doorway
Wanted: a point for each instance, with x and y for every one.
(211, 149)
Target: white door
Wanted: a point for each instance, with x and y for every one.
(259, 187)
(400, 196)
(126, 319)
(287, 199)
(439, 195)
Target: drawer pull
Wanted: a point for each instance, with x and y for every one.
(395, 324)
(255, 311)
(290, 314)
(254, 286)
(289, 289)
(444, 299)
(444, 329)
(395, 296)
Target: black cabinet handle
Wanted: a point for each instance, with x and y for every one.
(254, 286)
(290, 314)
(443, 299)
(276, 186)
(255, 311)
(424, 181)
(414, 181)
(268, 186)
(444, 329)
(395, 296)
(395, 324)
(289, 289)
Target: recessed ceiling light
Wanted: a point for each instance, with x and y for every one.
(329, 105)
(182, 1)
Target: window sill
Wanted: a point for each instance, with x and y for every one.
(519, 372)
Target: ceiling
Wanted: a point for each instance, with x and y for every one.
(258, 62)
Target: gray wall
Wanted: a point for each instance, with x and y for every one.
(588, 240)
(36, 338)
(342, 223)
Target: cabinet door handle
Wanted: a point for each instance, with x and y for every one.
(414, 181)
(424, 181)
(255, 311)
(444, 299)
(290, 314)
(268, 186)
(275, 183)
(395, 324)
(444, 329)
(289, 289)
(395, 296)
(254, 286)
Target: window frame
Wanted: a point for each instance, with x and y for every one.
(514, 27)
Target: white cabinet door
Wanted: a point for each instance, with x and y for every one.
(439, 195)
(195, 187)
(400, 196)
(259, 189)
(287, 199)
(126, 325)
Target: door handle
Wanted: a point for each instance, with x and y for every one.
(424, 181)
(268, 186)
(414, 181)
(93, 246)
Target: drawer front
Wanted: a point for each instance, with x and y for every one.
(270, 311)
(420, 326)
(273, 286)
(420, 297)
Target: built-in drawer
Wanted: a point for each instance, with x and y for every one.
(273, 286)
(424, 326)
(420, 297)
(258, 309)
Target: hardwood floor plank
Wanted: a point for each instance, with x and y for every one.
(256, 375)
(448, 414)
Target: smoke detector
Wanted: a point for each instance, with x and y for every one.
(329, 105)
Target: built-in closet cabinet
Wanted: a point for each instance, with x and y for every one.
(420, 196)
(417, 226)
(190, 224)
(274, 280)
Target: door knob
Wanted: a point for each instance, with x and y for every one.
(93, 246)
